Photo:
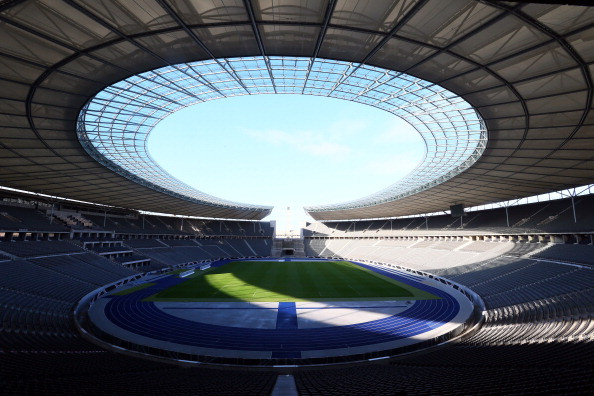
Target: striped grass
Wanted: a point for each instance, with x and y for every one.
(268, 281)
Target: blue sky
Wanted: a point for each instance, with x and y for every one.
(285, 150)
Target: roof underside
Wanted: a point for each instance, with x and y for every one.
(527, 69)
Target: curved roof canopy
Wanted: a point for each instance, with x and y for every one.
(114, 126)
(526, 68)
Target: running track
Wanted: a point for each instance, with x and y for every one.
(144, 318)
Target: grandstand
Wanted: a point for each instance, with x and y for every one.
(501, 92)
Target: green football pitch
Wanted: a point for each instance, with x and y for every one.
(270, 281)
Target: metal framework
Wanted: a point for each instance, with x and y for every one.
(115, 125)
(526, 68)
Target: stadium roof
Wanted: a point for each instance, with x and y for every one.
(526, 68)
(114, 126)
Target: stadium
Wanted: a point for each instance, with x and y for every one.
(473, 274)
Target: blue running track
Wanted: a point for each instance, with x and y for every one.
(129, 312)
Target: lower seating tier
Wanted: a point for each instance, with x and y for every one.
(538, 336)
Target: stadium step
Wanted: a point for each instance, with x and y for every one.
(285, 386)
